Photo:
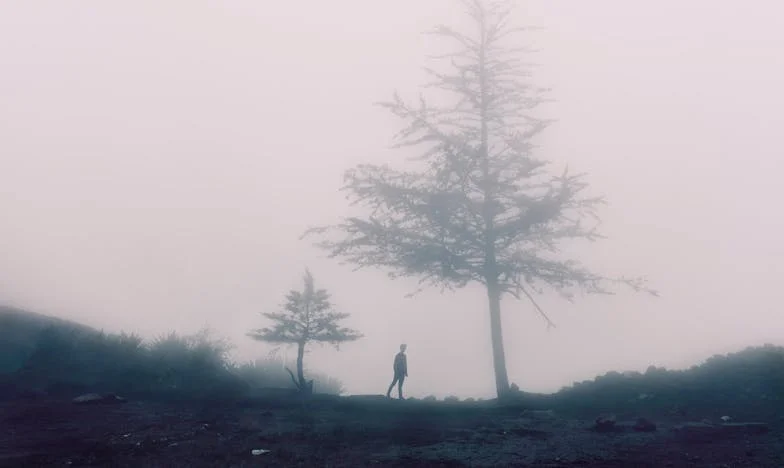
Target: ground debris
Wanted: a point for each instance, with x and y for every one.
(48, 433)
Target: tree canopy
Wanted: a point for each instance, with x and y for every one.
(307, 316)
(476, 205)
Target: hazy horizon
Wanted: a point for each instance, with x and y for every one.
(158, 163)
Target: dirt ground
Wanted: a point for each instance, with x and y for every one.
(350, 432)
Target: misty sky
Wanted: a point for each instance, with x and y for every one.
(159, 160)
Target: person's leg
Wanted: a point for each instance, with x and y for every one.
(389, 390)
(400, 387)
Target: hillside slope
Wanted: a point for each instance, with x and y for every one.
(20, 331)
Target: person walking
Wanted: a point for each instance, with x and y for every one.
(400, 367)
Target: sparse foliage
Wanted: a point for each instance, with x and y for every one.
(307, 316)
(481, 207)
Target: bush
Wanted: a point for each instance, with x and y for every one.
(271, 372)
(749, 383)
(71, 360)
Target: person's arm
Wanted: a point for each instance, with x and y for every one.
(405, 365)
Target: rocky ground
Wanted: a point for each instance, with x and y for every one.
(40, 430)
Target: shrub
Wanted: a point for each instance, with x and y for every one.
(749, 383)
(271, 372)
(70, 360)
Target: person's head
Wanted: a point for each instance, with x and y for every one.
(403, 348)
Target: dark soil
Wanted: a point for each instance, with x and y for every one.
(39, 430)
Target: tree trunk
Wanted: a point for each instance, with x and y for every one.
(497, 337)
(300, 372)
(489, 183)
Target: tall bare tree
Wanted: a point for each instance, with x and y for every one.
(476, 205)
(308, 316)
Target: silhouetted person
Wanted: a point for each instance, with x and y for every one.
(401, 372)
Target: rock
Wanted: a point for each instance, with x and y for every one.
(514, 388)
(97, 398)
(605, 424)
(644, 425)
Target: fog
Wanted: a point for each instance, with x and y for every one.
(159, 161)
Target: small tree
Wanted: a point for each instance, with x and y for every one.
(307, 317)
(481, 208)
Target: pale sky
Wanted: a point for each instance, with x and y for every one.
(159, 160)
